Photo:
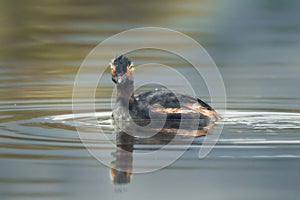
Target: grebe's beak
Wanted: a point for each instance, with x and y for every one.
(119, 79)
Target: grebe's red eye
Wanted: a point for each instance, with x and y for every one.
(130, 68)
(113, 70)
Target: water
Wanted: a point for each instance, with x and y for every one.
(255, 45)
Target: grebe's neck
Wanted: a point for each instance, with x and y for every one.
(125, 96)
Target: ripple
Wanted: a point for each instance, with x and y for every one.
(55, 136)
(240, 120)
(250, 119)
(263, 120)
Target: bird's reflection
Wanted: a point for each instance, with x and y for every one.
(122, 164)
(121, 167)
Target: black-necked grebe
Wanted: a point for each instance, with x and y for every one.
(158, 101)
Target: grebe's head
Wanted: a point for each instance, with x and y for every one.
(121, 69)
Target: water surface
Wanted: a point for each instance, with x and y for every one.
(255, 46)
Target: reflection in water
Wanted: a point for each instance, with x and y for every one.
(121, 167)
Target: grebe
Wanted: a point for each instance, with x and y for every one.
(158, 101)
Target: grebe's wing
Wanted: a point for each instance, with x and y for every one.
(168, 102)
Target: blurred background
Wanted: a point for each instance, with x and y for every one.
(47, 41)
(255, 44)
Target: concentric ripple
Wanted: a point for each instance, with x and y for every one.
(259, 132)
(264, 120)
(247, 119)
